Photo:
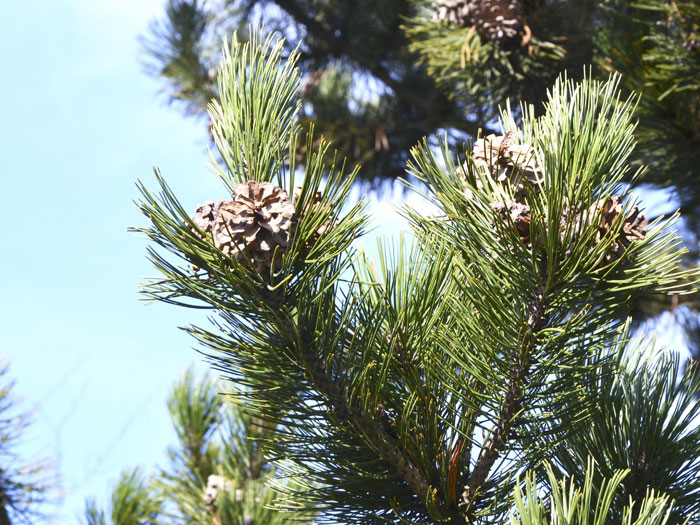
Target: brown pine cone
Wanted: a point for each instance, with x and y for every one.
(257, 220)
(498, 20)
(513, 165)
(454, 11)
(633, 228)
(520, 216)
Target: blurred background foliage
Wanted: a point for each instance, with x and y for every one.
(216, 473)
(26, 487)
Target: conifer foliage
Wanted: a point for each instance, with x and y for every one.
(438, 384)
(655, 45)
(24, 485)
(483, 52)
(216, 473)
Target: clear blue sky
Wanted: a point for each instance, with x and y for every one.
(79, 124)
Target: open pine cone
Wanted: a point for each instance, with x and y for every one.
(454, 11)
(498, 20)
(513, 165)
(215, 484)
(632, 229)
(257, 220)
(608, 210)
(520, 216)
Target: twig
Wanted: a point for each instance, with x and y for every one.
(510, 408)
(386, 446)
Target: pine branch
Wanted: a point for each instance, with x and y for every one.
(510, 409)
(351, 413)
(24, 487)
(569, 501)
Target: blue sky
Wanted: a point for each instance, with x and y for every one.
(79, 123)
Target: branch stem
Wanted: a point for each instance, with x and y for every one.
(509, 409)
(385, 445)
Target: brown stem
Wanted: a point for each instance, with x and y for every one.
(510, 408)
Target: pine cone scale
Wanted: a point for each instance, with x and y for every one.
(512, 165)
(497, 20)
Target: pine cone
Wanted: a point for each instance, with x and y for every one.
(520, 216)
(632, 229)
(214, 485)
(257, 219)
(296, 194)
(498, 20)
(314, 204)
(206, 215)
(312, 82)
(454, 11)
(510, 164)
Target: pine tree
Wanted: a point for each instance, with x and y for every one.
(482, 372)
(501, 49)
(131, 503)
(216, 474)
(655, 46)
(476, 55)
